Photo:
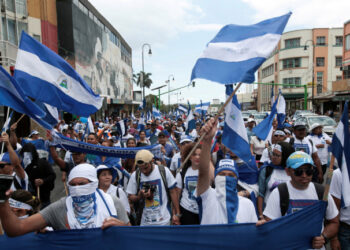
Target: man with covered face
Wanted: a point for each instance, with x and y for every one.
(85, 207)
(221, 205)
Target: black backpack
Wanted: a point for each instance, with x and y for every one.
(284, 195)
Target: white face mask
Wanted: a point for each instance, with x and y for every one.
(83, 189)
(27, 159)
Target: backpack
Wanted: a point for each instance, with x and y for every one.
(284, 195)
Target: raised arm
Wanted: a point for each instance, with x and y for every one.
(55, 157)
(204, 175)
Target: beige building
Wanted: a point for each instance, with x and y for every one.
(302, 57)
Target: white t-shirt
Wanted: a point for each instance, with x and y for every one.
(258, 146)
(194, 133)
(213, 212)
(188, 199)
(175, 162)
(265, 156)
(277, 177)
(273, 209)
(304, 145)
(321, 152)
(155, 211)
(112, 190)
(336, 191)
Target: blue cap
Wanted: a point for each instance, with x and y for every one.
(298, 159)
(226, 164)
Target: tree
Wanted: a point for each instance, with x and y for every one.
(146, 79)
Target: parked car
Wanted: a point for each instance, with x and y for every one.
(299, 113)
(329, 124)
(259, 117)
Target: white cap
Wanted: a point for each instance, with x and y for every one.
(315, 125)
(251, 120)
(34, 132)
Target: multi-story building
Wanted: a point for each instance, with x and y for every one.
(308, 57)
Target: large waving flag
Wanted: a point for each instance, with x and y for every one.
(235, 134)
(341, 151)
(11, 95)
(281, 110)
(182, 109)
(202, 108)
(264, 129)
(237, 51)
(155, 112)
(46, 77)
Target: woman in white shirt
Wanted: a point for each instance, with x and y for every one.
(257, 147)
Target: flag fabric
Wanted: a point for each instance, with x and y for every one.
(237, 51)
(272, 96)
(142, 105)
(155, 112)
(141, 124)
(121, 126)
(341, 151)
(294, 231)
(190, 122)
(11, 95)
(182, 109)
(281, 110)
(47, 77)
(51, 114)
(202, 108)
(235, 134)
(264, 129)
(7, 123)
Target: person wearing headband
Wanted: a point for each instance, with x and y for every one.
(23, 204)
(221, 205)
(85, 207)
(273, 173)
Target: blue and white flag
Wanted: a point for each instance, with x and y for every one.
(155, 112)
(235, 134)
(7, 123)
(341, 151)
(190, 122)
(281, 110)
(141, 125)
(121, 126)
(142, 105)
(264, 129)
(182, 109)
(202, 108)
(237, 51)
(149, 115)
(11, 95)
(47, 77)
(51, 114)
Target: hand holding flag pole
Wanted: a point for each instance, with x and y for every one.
(215, 119)
(329, 178)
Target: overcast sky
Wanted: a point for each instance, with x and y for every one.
(178, 31)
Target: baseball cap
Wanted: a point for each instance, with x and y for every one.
(143, 156)
(226, 164)
(100, 168)
(315, 125)
(299, 125)
(298, 159)
(185, 138)
(34, 132)
(251, 120)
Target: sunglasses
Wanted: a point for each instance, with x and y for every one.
(278, 135)
(307, 171)
(141, 162)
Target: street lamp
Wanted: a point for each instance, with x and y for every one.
(168, 81)
(143, 65)
(313, 73)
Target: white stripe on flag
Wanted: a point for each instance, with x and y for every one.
(260, 46)
(51, 74)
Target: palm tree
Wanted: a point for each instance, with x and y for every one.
(146, 79)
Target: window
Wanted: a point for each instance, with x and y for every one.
(275, 67)
(338, 41)
(11, 31)
(338, 78)
(346, 74)
(4, 29)
(292, 43)
(22, 26)
(267, 71)
(21, 7)
(319, 61)
(338, 61)
(37, 37)
(347, 42)
(319, 80)
(321, 40)
(10, 6)
(292, 81)
(291, 63)
(76, 2)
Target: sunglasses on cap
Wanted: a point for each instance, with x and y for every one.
(308, 171)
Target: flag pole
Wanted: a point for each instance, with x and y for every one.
(20, 118)
(215, 119)
(329, 178)
(7, 117)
